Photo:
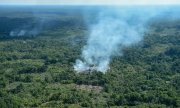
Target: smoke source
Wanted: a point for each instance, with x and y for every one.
(114, 30)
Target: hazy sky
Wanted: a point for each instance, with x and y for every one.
(92, 2)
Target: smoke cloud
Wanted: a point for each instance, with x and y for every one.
(22, 32)
(115, 29)
(30, 29)
(33, 27)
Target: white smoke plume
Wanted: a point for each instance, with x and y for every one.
(115, 29)
(23, 32)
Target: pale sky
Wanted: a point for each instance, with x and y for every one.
(91, 2)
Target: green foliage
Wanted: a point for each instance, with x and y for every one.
(38, 71)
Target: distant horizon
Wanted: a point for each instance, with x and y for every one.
(88, 5)
(90, 2)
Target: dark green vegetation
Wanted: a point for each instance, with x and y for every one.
(37, 71)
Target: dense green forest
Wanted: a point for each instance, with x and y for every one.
(36, 70)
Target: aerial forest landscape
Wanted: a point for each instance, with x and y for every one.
(89, 56)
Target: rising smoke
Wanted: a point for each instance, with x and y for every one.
(23, 32)
(115, 29)
(31, 28)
